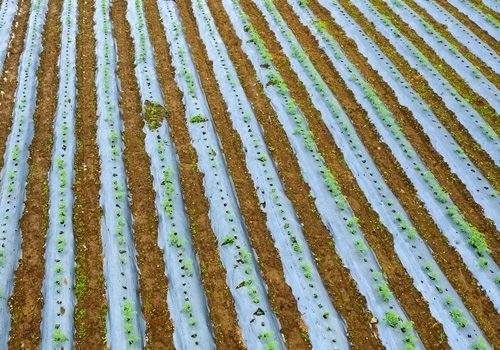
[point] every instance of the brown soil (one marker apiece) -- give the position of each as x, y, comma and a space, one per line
90, 314
478, 102
377, 235
222, 312
91, 307
447, 258
449, 181
337, 279
443, 31
480, 32
26, 301
153, 282
280, 293
8, 78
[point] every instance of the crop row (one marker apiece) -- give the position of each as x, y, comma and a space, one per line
7, 13
299, 266
186, 297
470, 118
59, 299
125, 323
460, 32
349, 241
486, 22
430, 191
479, 187
15, 169
237, 256
411, 249
448, 52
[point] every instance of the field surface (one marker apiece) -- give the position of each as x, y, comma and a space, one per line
250, 174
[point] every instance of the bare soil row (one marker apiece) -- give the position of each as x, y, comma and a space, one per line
27, 302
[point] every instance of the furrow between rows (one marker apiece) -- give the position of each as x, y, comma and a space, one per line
342, 223
412, 250
15, 167
449, 53
488, 23
461, 33
59, 280
125, 323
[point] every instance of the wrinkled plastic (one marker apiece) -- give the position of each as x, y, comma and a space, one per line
478, 185
185, 297
463, 34
15, 171
463, 111
413, 252
7, 13
362, 264
312, 297
416, 170
451, 55
124, 321
59, 280
478, 17
244, 278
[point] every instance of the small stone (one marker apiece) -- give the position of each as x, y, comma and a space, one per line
373, 320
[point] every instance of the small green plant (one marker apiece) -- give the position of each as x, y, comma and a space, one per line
153, 114
391, 319
229, 240
433, 275
361, 246
186, 307
384, 291
406, 326
479, 344
409, 339
376, 275
58, 336
307, 269
482, 262
352, 222
427, 266
197, 118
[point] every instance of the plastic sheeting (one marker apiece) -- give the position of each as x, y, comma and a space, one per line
474, 14
57, 290
186, 299
338, 218
477, 184
15, 170
463, 34
124, 322
7, 13
451, 55
492, 4
312, 297
254, 312
363, 265
420, 176
413, 252
463, 111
